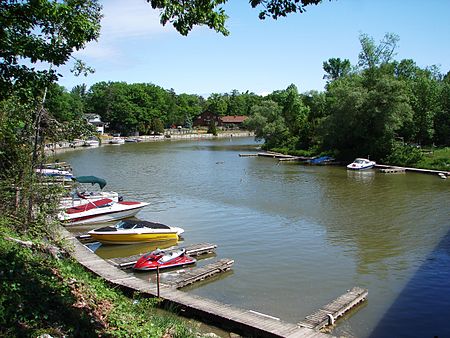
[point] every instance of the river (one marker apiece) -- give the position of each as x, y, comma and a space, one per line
300, 235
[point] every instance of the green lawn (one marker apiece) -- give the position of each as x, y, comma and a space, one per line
436, 158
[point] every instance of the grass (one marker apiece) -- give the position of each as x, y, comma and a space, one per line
436, 159
43, 294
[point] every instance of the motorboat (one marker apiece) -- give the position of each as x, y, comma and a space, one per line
163, 260
117, 140
361, 164
133, 139
135, 231
80, 195
100, 211
55, 173
91, 143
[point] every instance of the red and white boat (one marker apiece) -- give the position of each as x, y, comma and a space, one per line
163, 260
100, 211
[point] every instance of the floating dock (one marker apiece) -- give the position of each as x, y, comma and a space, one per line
191, 250
393, 170
330, 312
198, 274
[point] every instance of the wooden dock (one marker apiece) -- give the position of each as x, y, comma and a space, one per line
415, 170
330, 312
198, 274
244, 322
194, 250
392, 170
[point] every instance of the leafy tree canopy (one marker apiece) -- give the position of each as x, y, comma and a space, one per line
184, 15
42, 31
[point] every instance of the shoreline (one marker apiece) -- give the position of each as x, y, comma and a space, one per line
168, 136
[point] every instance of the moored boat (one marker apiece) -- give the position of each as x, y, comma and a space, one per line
100, 211
361, 164
117, 140
81, 195
55, 173
163, 260
135, 231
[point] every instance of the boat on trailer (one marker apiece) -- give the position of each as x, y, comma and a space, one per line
163, 260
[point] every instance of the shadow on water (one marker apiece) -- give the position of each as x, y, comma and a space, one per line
423, 307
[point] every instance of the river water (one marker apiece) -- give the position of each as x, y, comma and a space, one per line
300, 235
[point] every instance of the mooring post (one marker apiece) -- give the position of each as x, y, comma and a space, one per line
157, 280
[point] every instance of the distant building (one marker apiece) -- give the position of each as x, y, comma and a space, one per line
204, 120
96, 121
232, 121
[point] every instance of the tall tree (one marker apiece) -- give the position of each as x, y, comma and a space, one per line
336, 68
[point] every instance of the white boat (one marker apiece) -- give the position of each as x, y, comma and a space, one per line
135, 231
361, 164
82, 195
100, 211
55, 173
117, 140
91, 143
80, 198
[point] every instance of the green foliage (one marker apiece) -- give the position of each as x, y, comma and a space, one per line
212, 129
336, 68
40, 294
187, 14
403, 155
42, 31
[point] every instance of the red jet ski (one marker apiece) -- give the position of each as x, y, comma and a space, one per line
163, 260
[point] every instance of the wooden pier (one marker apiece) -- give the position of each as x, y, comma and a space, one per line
392, 170
245, 322
198, 274
191, 250
330, 312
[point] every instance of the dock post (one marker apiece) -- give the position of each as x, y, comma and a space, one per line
157, 280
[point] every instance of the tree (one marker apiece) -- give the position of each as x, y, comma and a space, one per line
185, 15
34, 32
42, 31
336, 68
373, 55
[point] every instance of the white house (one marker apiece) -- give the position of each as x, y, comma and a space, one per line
96, 121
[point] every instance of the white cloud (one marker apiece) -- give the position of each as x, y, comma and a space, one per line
130, 19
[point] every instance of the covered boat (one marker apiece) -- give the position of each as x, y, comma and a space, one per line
163, 260
100, 211
135, 231
81, 195
361, 164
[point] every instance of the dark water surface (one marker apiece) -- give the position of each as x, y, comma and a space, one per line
300, 235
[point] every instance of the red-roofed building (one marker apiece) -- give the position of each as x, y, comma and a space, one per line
232, 121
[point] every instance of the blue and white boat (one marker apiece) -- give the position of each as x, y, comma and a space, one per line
361, 164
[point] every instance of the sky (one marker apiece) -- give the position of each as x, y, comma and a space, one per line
258, 56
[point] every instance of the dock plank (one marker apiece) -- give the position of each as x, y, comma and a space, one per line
334, 309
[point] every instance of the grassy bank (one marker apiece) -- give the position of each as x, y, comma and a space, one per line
436, 159
41, 292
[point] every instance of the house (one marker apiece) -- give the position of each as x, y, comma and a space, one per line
96, 121
232, 121
204, 120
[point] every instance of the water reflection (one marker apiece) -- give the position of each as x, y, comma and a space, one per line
113, 251
361, 176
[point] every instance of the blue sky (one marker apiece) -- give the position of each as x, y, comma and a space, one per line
258, 56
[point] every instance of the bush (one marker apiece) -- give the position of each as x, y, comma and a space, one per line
403, 155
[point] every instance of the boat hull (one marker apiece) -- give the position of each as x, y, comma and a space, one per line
133, 238
112, 213
360, 168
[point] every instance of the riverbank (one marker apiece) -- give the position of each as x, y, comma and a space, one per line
169, 135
